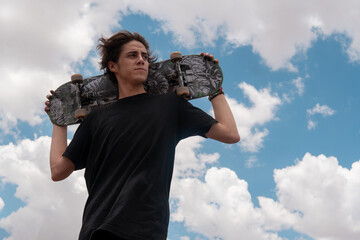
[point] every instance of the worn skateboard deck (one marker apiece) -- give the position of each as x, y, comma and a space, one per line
199, 75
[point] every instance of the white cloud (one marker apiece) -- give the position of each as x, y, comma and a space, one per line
8, 123
318, 109
292, 89
299, 84
323, 196
184, 238
50, 207
276, 30
219, 207
250, 119
2, 203
276, 217
190, 162
311, 124
252, 162
40, 46
316, 197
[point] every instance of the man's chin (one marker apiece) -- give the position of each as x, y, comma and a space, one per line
142, 79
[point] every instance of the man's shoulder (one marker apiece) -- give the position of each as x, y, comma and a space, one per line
98, 112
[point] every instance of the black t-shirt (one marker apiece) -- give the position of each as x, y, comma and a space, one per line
128, 151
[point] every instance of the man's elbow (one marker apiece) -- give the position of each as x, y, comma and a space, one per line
230, 138
234, 138
57, 176
220, 133
61, 169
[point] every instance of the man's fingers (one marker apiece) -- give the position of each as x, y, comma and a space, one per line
49, 95
210, 56
47, 103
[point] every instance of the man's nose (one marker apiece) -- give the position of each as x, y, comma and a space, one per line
141, 59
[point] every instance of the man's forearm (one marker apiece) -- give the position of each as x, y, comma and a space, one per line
226, 131
223, 113
58, 146
58, 141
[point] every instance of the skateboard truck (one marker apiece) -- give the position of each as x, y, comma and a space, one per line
182, 91
77, 79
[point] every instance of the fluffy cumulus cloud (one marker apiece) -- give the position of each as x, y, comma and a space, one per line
41, 44
316, 197
8, 124
250, 119
276, 30
190, 162
220, 205
323, 197
49, 207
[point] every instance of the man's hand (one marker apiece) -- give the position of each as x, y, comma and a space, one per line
209, 56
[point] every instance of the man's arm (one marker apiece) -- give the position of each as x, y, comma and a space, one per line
225, 130
60, 167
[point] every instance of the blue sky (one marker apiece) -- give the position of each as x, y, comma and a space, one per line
291, 76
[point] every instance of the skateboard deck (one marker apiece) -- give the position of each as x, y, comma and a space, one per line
191, 76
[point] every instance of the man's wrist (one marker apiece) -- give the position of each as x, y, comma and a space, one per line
217, 93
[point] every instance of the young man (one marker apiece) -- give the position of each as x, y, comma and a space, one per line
128, 148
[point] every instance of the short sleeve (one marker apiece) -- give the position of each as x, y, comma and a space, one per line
192, 120
80, 145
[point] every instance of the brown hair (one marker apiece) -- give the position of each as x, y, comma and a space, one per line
110, 49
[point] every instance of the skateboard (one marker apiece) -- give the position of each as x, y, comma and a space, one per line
190, 76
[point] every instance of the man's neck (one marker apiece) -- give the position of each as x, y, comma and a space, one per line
128, 91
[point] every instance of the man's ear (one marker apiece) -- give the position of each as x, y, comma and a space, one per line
112, 66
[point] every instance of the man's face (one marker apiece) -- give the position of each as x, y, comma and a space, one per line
132, 66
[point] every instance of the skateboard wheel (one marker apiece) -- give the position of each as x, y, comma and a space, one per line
183, 91
80, 113
76, 78
175, 56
